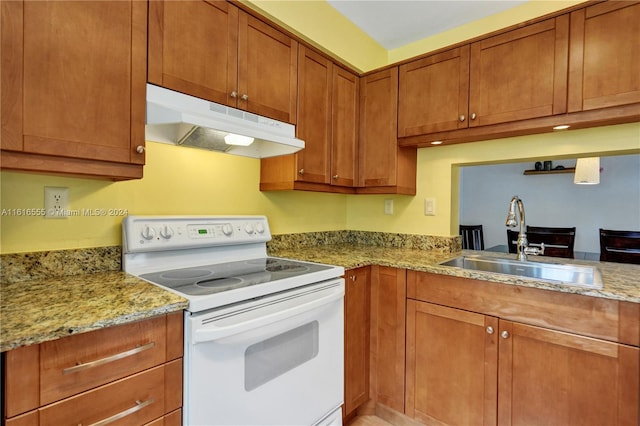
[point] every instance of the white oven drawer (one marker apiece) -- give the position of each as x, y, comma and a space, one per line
277, 361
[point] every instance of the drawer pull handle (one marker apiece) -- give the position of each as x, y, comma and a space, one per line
139, 406
108, 359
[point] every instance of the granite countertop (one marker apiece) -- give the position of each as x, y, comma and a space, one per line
621, 280
39, 310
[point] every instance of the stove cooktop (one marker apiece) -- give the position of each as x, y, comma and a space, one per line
217, 278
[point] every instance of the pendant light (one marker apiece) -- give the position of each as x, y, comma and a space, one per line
587, 171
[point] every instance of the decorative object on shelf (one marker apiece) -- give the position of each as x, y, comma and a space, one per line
538, 165
587, 171
548, 165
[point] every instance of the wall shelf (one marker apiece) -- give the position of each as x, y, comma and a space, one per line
550, 172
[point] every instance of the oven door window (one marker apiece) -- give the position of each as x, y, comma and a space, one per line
270, 358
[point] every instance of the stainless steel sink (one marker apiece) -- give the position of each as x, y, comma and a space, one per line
580, 275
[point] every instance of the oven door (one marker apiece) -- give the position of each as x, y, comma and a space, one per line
273, 361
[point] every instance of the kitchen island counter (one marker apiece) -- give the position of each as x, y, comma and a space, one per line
39, 310
620, 280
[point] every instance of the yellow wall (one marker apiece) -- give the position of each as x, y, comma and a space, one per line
438, 175
177, 180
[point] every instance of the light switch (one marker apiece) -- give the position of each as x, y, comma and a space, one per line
429, 206
388, 206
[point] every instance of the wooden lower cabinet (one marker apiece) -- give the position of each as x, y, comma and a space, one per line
356, 338
451, 365
465, 367
131, 374
388, 301
556, 378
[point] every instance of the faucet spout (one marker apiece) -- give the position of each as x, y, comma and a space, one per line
522, 245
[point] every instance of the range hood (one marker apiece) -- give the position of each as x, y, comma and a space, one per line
180, 119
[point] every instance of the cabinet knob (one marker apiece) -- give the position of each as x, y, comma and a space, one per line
505, 334
233, 94
473, 115
335, 176
490, 330
301, 171
462, 117
140, 149
244, 97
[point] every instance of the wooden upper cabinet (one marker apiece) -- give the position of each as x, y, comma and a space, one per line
193, 48
213, 50
382, 163
267, 70
434, 93
344, 127
604, 67
73, 87
521, 74
551, 377
313, 163
328, 124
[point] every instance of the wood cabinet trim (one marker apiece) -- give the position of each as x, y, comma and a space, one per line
11, 54
573, 313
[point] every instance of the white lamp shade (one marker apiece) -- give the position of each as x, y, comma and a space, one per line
587, 171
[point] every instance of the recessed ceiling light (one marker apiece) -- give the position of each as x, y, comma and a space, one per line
436, 143
562, 127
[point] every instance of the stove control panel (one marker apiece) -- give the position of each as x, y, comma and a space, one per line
157, 233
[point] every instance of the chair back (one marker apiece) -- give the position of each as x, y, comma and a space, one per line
620, 246
558, 242
472, 237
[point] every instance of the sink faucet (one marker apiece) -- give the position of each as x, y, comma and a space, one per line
523, 248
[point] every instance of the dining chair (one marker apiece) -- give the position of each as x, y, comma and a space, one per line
620, 246
472, 237
558, 242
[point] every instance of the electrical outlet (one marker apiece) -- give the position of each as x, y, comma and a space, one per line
388, 206
56, 202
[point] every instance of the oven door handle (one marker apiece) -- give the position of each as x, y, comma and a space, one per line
215, 333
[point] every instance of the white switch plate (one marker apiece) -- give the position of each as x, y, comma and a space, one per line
388, 206
56, 202
429, 206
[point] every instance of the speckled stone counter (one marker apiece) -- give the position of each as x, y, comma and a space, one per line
45, 309
621, 281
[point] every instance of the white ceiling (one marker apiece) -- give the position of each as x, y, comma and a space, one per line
395, 23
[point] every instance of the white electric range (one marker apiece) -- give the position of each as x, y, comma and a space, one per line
263, 335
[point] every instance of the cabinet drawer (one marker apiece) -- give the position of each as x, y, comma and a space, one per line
78, 363
135, 400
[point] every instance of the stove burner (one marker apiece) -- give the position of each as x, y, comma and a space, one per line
289, 268
182, 274
220, 284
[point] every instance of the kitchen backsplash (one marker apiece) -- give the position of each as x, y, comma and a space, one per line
47, 264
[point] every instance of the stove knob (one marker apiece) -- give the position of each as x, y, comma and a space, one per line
260, 228
148, 233
248, 228
166, 232
227, 230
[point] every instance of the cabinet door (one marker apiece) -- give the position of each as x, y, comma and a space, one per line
388, 301
356, 339
378, 128
555, 378
521, 74
267, 70
344, 122
434, 93
73, 80
605, 56
193, 48
314, 112
452, 358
